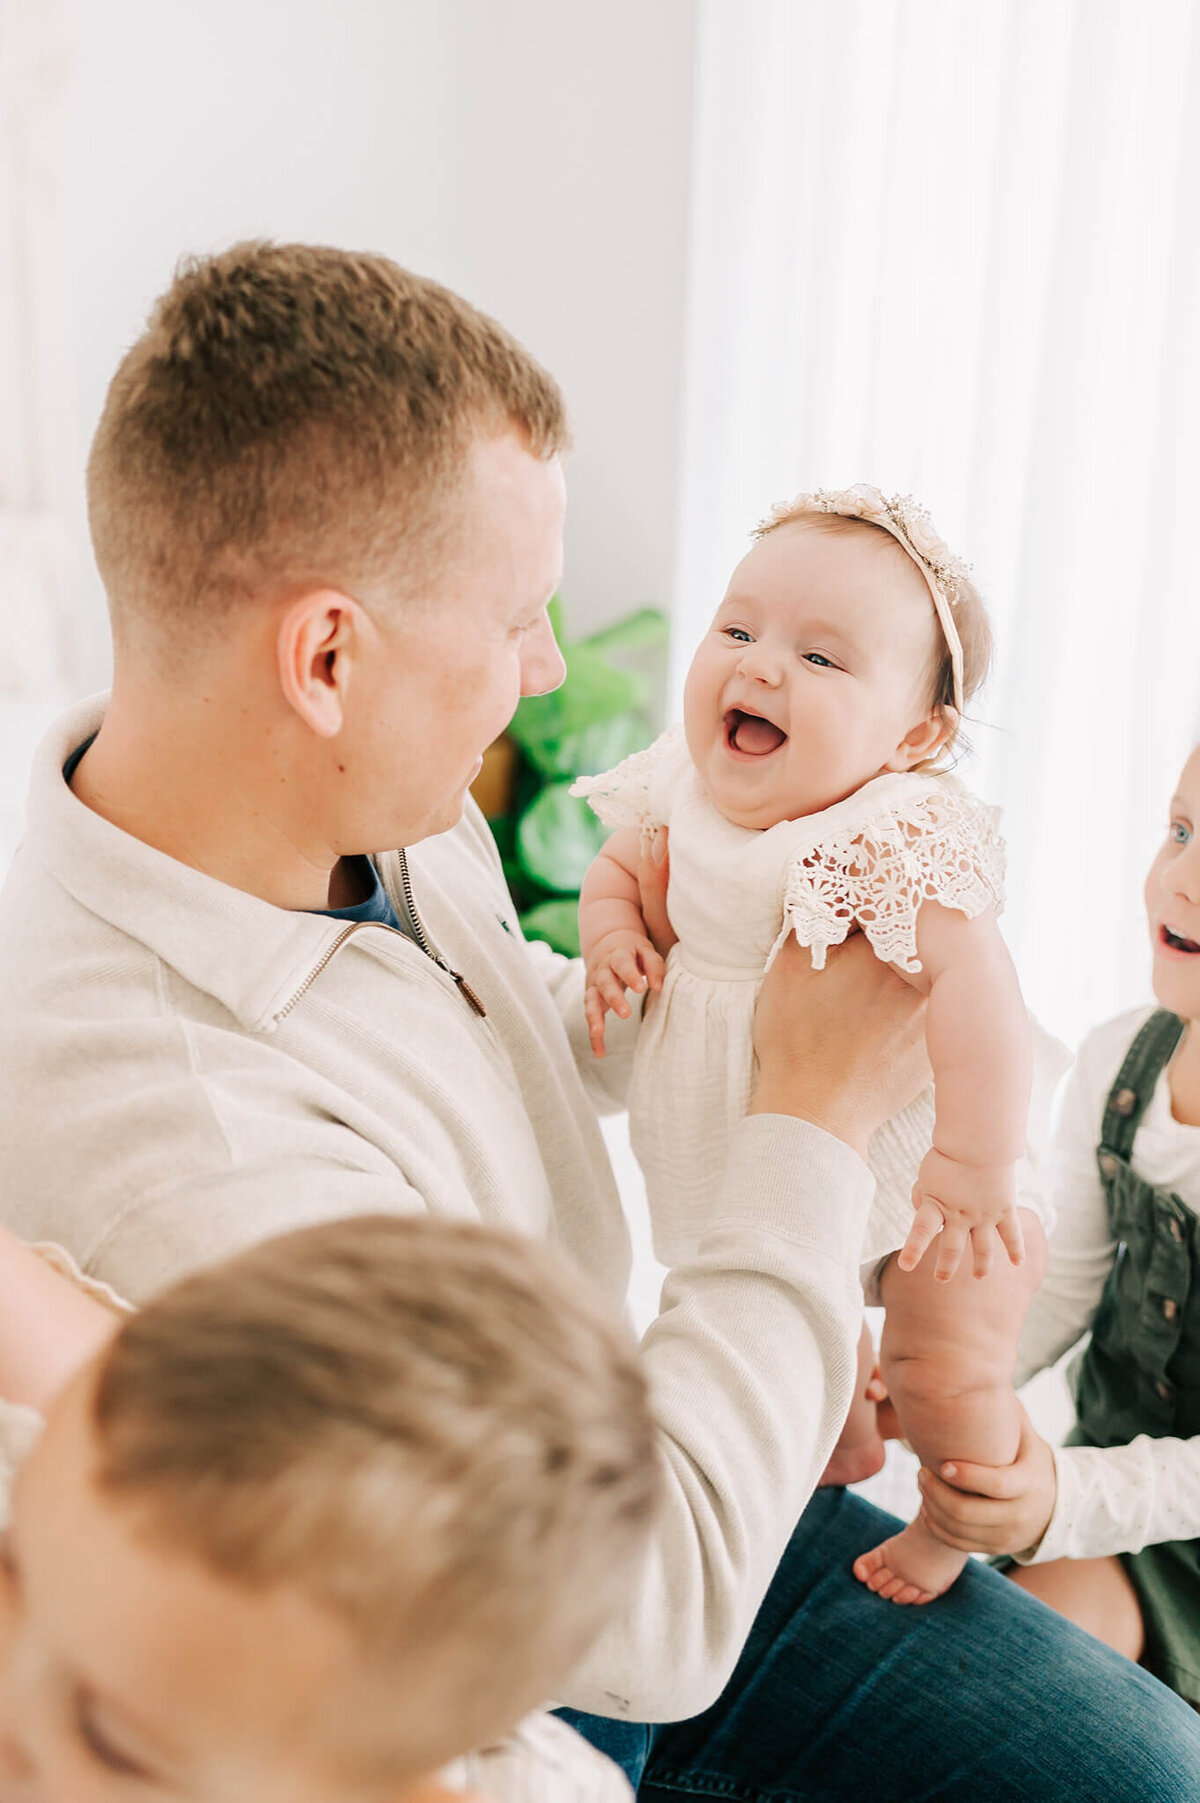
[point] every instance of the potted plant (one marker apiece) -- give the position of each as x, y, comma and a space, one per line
603, 711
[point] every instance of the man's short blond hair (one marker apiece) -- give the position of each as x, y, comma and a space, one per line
296, 415
430, 1429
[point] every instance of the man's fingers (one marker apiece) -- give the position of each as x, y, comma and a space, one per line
653, 875
927, 1224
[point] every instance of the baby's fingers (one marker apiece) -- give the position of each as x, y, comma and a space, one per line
612, 990
951, 1247
593, 1009
927, 1224
1009, 1229
983, 1249
628, 971
653, 966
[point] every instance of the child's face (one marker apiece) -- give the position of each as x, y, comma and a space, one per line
1173, 901
131, 1671
813, 678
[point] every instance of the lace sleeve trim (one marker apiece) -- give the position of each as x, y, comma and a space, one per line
944, 847
623, 795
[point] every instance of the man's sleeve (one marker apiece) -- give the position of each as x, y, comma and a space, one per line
606, 1079
751, 1362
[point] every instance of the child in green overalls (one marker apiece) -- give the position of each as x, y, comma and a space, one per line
1107, 1529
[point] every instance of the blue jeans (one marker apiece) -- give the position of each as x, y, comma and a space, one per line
985, 1696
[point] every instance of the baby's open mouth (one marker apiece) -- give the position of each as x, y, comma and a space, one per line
751, 734
1176, 941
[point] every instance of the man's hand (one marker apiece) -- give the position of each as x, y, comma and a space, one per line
654, 870
994, 1508
842, 1047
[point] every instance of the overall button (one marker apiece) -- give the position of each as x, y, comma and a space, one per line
1164, 1389
1170, 1308
1124, 1102
1176, 1229
1108, 1165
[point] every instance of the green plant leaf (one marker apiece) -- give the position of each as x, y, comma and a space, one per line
593, 691
557, 922
642, 631
557, 837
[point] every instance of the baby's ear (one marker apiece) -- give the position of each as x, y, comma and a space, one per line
924, 740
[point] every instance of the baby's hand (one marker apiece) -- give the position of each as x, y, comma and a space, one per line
620, 961
957, 1201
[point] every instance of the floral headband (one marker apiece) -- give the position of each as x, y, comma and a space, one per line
909, 523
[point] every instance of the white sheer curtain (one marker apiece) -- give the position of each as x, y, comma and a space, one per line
954, 249
38, 447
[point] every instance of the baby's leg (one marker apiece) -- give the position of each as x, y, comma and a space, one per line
947, 1358
860, 1451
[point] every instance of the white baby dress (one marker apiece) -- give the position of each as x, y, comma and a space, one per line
735, 893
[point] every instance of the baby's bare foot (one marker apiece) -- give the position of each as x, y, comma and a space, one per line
912, 1567
854, 1464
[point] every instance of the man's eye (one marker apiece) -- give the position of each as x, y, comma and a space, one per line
818, 657
1178, 833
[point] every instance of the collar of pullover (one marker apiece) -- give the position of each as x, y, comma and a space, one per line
253, 958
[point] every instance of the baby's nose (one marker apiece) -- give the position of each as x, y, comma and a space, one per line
762, 664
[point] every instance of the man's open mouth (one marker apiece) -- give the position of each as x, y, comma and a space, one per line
750, 734
1176, 941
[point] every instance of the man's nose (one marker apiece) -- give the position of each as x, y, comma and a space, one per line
542, 665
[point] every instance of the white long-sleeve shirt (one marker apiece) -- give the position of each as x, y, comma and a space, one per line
187, 1069
1121, 1498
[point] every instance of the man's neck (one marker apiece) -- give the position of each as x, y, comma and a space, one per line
209, 787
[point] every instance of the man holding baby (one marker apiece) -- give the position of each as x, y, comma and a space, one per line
326, 499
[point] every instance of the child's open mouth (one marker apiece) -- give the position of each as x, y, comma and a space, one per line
751, 735
1175, 941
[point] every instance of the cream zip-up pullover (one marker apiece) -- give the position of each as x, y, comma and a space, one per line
186, 1069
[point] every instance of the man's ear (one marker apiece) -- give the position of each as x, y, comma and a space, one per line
314, 648
924, 741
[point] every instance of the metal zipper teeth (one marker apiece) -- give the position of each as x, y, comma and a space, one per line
423, 940
317, 968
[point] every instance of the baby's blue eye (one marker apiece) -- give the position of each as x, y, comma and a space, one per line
822, 662
738, 634
1178, 833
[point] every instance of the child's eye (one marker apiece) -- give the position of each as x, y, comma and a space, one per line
738, 633
1178, 833
818, 657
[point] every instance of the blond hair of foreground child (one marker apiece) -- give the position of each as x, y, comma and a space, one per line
320, 1520
806, 795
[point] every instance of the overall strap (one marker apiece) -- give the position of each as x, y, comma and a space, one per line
1133, 1086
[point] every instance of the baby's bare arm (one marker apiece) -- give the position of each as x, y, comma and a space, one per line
617, 949
977, 1034
609, 900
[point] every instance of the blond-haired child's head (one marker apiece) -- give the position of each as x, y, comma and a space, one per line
350, 1503
296, 415
825, 666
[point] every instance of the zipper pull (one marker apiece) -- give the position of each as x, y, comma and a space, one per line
470, 994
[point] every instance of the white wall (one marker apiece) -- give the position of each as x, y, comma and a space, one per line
533, 155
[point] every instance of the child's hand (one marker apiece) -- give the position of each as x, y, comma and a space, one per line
620, 961
956, 1201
